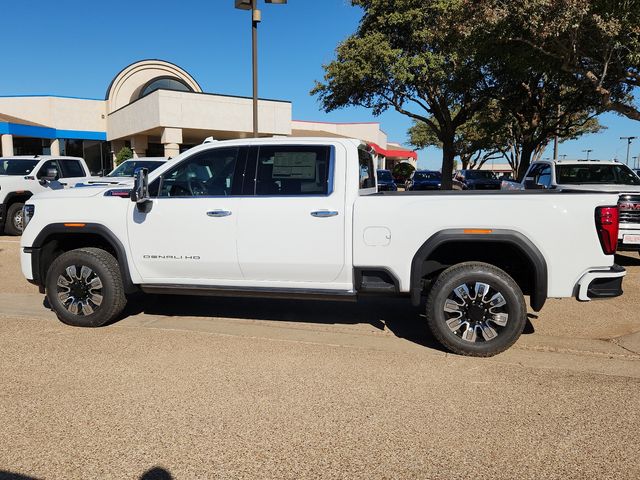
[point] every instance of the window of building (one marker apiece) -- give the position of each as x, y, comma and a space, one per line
209, 173
293, 170
165, 83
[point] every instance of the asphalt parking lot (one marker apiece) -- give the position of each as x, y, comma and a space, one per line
184, 387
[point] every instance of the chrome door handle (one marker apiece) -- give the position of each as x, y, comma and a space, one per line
323, 214
218, 213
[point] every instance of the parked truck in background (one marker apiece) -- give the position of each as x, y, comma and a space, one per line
302, 218
593, 176
23, 176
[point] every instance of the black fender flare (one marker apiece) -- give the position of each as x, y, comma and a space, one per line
88, 229
510, 237
26, 194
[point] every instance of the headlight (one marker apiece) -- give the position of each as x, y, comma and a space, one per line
27, 214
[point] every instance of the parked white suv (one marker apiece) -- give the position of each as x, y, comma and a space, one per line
23, 176
597, 176
302, 218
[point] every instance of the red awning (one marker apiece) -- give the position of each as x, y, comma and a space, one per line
394, 153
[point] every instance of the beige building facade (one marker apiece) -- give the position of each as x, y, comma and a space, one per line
158, 109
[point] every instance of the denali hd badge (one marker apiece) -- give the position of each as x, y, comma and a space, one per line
171, 257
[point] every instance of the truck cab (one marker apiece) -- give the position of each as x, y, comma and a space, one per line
23, 176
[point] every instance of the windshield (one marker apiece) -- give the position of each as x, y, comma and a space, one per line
128, 168
17, 167
427, 176
480, 175
593, 174
385, 175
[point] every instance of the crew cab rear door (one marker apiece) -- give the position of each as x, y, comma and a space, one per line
188, 233
292, 224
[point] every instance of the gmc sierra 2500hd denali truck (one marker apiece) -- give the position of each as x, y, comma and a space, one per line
302, 218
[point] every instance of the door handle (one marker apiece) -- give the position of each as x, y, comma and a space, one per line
323, 214
218, 213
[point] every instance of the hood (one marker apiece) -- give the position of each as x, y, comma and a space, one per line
89, 191
99, 181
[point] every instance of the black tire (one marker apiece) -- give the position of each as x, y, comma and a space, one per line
467, 328
79, 302
13, 223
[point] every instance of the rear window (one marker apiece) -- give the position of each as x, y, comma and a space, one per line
594, 174
427, 176
367, 175
71, 168
479, 175
293, 170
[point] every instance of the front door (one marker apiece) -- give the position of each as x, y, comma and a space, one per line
188, 235
292, 228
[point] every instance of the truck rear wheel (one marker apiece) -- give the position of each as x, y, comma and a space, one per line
84, 287
14, 224
476, 309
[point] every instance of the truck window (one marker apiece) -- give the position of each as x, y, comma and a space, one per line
71, 168
46, 166
367, 172
293, 170
206, 174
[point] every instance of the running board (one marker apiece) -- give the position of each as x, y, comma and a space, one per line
256, 292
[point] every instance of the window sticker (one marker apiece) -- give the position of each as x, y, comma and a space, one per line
294, 165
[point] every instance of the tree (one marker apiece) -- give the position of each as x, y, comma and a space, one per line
475, 141
417, 57
595, 43
125, 153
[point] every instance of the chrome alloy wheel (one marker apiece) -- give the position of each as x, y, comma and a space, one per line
476, 312
17, 220
80, 294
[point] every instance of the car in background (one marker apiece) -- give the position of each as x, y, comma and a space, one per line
591, 176
424, 180
386, 182
476, 180
124, 173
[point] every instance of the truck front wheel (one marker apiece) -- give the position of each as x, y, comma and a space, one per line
14, 224
476, 309
84, 287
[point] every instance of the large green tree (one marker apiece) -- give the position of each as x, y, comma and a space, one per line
417, 57
594, 43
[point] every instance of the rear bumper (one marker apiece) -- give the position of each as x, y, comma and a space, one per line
601, 284
628, 229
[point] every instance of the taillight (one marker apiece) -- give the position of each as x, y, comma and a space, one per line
607, 223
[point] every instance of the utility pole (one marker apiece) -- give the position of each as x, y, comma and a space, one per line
256, 17
629, 141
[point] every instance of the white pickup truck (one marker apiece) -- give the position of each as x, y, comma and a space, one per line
23, 176
302, 218
594, 176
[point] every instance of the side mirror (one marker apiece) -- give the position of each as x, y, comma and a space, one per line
140, 192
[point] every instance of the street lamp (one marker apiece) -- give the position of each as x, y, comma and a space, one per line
588, 151
256, 17
629, 140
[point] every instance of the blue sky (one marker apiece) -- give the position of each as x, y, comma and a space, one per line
74, 48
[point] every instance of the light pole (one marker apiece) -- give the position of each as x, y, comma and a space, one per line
256, 17
629, 140
588, 151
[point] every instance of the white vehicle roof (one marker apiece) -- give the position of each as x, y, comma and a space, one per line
581, 162
40, 157
147, 159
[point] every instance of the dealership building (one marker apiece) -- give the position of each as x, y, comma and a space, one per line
158, 109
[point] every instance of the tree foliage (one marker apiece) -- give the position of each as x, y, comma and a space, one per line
595, 43
414, 56
125, 153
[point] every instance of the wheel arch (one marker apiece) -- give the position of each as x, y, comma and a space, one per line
425, 260
58, 237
